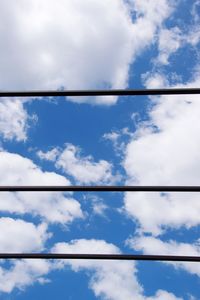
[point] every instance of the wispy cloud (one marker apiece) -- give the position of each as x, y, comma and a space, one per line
84, 169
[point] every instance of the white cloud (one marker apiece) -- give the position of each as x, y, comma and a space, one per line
154, 80
195, 11
160, 295
20, 236
53, 207
165, 151
117, 139
194, 36
155, 11
50, 155
99, 207
106, 276
13, 120
22, 274
151, 245
170, 40
67, 44
82, 168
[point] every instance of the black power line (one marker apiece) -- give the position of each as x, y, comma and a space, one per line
171, 258
119, 92
113, 188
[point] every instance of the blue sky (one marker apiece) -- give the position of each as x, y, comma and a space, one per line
93, 141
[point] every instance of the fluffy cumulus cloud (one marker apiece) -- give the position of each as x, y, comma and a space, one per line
165, 151
106, 276
83, 169
20, 236
69, 44
152, 245
53, 207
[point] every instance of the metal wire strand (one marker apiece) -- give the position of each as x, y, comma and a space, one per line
175, 258
113, 188
118, 92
